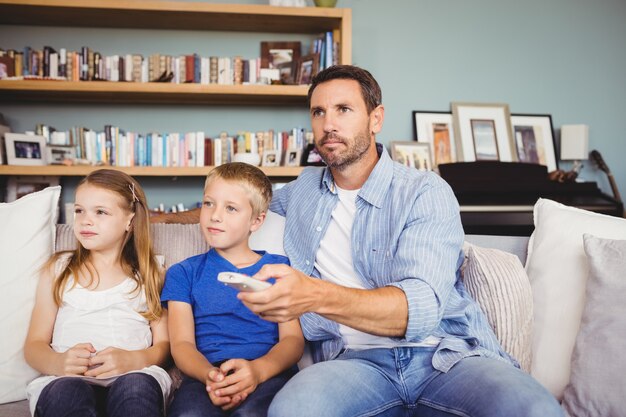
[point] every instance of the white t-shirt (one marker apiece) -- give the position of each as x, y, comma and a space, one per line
108, 318
334, 263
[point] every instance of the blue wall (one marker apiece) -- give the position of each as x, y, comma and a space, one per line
560, 57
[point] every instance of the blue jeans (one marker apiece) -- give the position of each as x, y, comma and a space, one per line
134, 394
192, 400
402, 382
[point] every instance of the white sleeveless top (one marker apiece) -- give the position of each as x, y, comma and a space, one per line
108, 318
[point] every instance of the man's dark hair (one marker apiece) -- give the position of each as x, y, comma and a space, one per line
370, 90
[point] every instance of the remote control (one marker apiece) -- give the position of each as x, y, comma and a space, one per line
242, 282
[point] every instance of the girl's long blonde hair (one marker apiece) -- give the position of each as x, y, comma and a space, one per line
136, 257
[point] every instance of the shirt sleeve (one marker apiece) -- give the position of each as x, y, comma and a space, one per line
280, 199
427, 259
177, 285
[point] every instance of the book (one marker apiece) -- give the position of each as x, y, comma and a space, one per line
7, 67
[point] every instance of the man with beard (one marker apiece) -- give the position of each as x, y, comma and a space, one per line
375, 249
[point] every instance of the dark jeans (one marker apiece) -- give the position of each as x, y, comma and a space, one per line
192, 400
134, 394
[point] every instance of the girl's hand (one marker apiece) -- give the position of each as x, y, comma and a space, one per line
242, 378
75, 360
113, 361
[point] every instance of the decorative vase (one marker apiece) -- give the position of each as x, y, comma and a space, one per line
325, 3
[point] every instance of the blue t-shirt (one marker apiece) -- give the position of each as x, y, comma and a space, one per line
224, 327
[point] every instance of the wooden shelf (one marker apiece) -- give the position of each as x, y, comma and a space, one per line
151, 93
82, 170
141, 14
163, 16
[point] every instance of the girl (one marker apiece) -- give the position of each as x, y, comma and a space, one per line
98, 330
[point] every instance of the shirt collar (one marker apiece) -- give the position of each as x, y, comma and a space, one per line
377, 184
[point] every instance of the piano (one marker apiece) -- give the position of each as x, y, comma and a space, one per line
497, 198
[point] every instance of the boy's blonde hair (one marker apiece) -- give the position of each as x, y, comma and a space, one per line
252, 179
136, 257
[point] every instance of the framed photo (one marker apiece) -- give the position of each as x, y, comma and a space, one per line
311, 157
436, 129
287, 72
308, 66
292, 157
25, 149
19, 186
483, 132
534, 139
412, 154
57, 154
273, 54
271, 158
3, 130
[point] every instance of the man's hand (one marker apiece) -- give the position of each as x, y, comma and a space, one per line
113, 361
75, 360
293, 294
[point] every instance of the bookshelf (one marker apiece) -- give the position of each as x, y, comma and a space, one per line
82, 170
170, 15
165, 15
149, 93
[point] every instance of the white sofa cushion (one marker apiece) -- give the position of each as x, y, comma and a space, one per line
557, 268
26, 243
596, 386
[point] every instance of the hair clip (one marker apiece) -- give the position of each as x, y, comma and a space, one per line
131, 186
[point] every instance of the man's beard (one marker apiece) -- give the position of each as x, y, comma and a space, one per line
355, 152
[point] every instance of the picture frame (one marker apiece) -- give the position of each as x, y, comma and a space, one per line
437, 129
311, 157
271, 158
19, 186
25, 149
412, 154
292, 157
483, 131
308, 66
273, 54
288, 72
534, 139
57, 154
3, 130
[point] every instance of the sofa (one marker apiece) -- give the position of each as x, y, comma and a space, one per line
542, 312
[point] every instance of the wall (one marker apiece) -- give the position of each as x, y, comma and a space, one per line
560, 57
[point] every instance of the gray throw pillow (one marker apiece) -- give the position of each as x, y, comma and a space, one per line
596, 386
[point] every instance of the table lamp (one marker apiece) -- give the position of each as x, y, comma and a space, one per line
575, 144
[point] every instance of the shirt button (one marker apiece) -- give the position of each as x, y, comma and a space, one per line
319, 229
307, 262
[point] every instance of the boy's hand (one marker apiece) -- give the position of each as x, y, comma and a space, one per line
215, 378
75, 360
241, 378
113, 361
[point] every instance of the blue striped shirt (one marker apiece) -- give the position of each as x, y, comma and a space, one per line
407, 233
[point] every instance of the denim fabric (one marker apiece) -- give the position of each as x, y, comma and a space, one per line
192, 400
402, 382
135, 394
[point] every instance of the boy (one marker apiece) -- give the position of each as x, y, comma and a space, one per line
231, 358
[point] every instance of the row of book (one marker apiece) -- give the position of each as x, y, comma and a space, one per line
89, 65
116, 147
